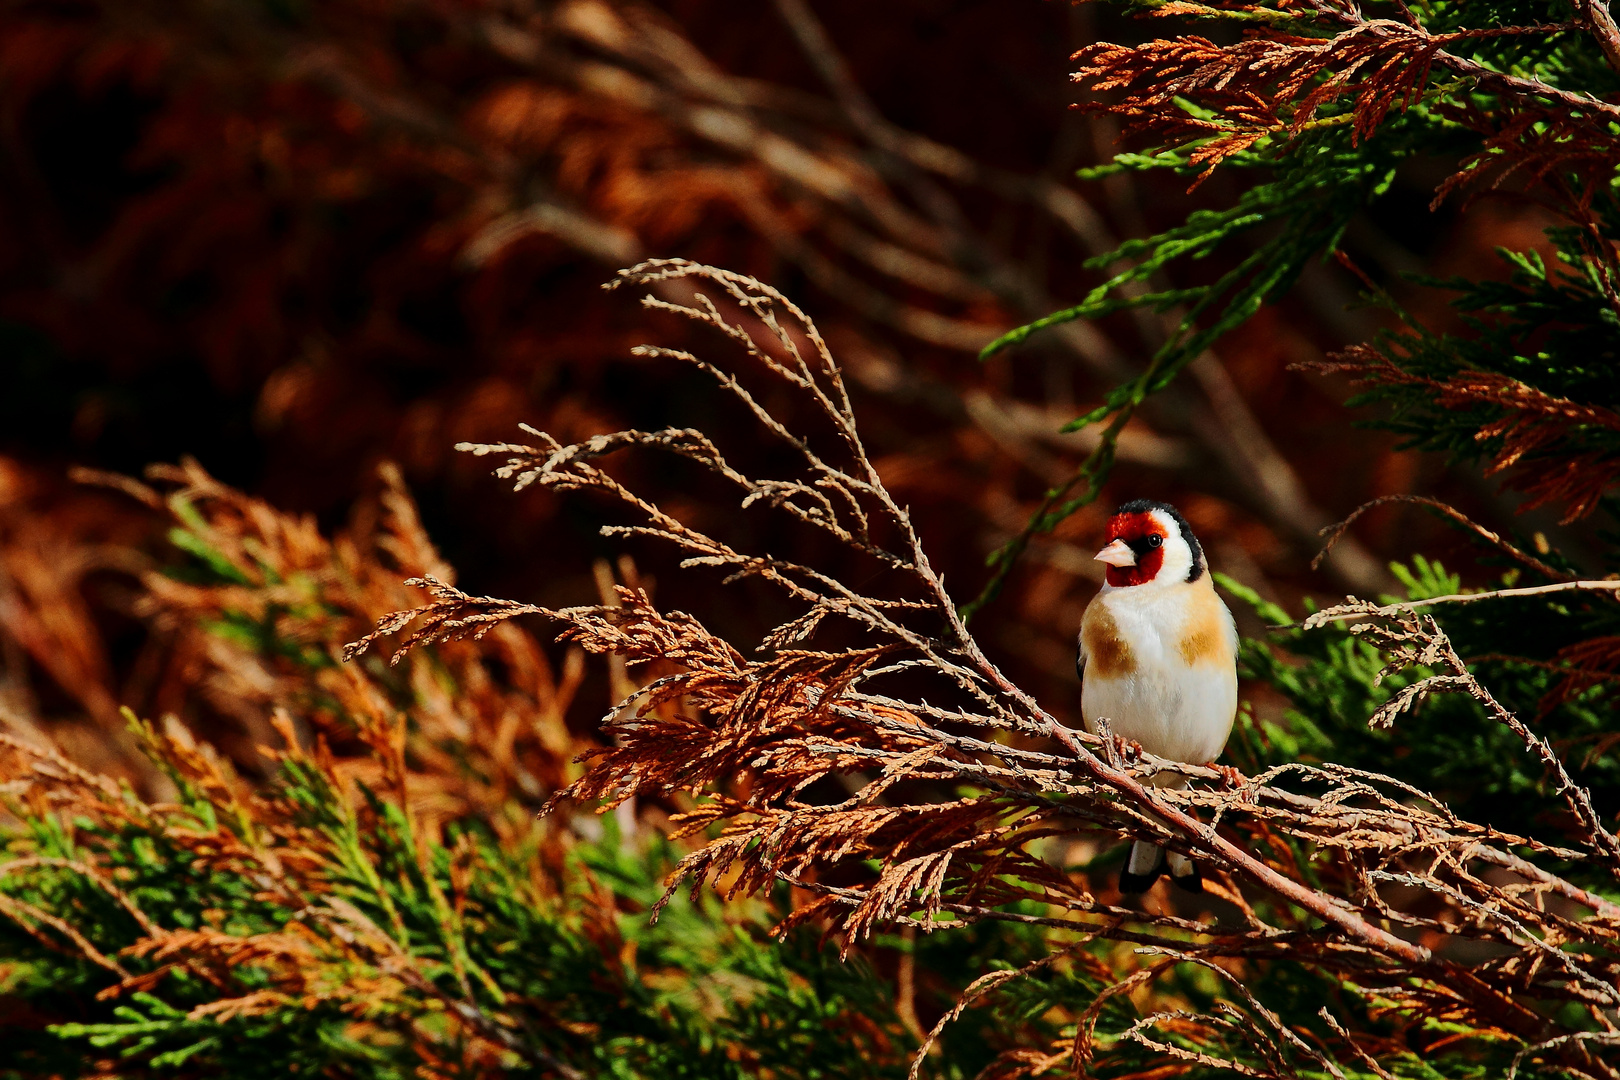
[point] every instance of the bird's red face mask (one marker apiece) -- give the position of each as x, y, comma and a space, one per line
1135, 549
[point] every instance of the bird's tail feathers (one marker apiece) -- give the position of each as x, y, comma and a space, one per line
1142, 868
1184, 873
1147, 861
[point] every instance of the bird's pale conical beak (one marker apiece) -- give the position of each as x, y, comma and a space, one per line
1117, 554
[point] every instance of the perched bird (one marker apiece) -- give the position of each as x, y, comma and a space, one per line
1158, 660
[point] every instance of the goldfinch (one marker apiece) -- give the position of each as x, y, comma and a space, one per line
1158, 660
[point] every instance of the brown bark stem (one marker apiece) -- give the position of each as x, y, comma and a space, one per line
1601, 25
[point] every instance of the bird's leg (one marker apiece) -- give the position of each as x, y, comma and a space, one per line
1110, 742
1235, 780
1119, 750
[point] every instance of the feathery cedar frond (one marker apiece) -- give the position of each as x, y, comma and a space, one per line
1273, 84
1537, 434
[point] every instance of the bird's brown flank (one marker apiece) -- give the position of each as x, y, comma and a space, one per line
1204, 638
1107, 655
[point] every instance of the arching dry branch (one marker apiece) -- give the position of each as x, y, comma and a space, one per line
901, 776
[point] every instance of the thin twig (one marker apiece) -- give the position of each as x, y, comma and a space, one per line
1363, 609
1333, 533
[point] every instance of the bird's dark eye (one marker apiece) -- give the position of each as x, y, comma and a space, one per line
1155, 541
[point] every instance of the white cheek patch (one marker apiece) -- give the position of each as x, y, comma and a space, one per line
1178, 557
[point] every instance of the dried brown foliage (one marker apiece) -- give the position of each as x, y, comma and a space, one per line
1261, 86
1534, 433
901, 776
262, 642
1273, 83
1514, 95
327, 952
471, 732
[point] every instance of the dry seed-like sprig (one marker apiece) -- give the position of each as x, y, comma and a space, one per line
951, 790
1416, 640
1334, 533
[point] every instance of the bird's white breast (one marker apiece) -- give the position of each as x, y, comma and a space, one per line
1160, 664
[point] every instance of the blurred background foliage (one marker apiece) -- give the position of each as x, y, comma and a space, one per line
297, 251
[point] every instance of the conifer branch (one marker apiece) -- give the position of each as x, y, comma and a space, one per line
1362, 609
